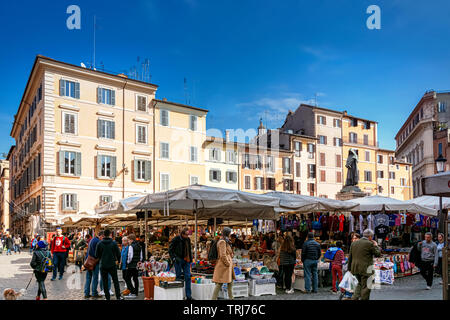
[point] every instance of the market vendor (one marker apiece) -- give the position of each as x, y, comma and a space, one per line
203, 237
237, 243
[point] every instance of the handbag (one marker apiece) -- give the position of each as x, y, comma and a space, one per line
90, 263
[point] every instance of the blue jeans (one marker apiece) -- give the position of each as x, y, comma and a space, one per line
59, 260
91, 276
16, 248
181, 266
310, 268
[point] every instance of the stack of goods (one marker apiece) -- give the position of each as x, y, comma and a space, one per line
200, 280
401, 265
203, 267
164, 277
384, 272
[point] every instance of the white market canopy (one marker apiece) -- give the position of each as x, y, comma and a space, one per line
301, 203
380, 203
437, 185
431, 202
210, 202
119, 207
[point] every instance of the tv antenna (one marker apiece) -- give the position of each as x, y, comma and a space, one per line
95, 27
186, 95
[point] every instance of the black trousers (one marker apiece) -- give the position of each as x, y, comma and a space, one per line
132, 274
113, 272
40, 278
426, 270
287, 274
439, 267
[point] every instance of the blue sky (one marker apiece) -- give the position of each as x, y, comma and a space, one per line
244, 59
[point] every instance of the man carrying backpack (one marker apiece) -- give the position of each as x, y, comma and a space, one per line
59, 246
41, 262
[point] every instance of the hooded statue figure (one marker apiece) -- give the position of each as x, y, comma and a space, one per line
352, 166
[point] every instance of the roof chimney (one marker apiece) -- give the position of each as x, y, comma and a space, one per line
123, 75
164, 99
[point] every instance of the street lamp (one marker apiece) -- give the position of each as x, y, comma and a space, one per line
440, 163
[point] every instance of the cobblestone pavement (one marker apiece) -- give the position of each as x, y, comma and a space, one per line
15, 272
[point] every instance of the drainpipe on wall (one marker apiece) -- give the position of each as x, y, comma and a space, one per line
123, 139
154, 146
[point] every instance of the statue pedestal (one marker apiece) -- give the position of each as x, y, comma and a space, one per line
350, 192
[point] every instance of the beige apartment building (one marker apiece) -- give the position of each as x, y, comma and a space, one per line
326, 126
4, 195
86, 137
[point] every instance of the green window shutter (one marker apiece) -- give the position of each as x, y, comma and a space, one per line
113, 130
99, 165
218, 175
113, 97
210, 175
135, 169
77, 90
148, 170
63, 205
75, 202
99, 128
61, 162
78, 164
99, 95
62, 87
113, 167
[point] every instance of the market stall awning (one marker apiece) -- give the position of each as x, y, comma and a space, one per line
211, 202
380, 203
119, 207
437, 185
431, 202
302, 203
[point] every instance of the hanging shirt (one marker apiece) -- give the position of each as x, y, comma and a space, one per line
341, 223
403, 218
381, 231
392, 218
434, 224
370, 221
419, 220
410, 219
324, 221
351, 223
381, 219
398, 219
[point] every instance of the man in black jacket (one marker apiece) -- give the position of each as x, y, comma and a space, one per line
108, 254
134, 257
310, 257
180, 252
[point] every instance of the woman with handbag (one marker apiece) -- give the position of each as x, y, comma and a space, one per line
223, 271
79, 245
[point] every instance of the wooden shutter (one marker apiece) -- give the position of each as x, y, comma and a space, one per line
211, 154
113, 97
262, 184
77, 90
78, 164
297, 169
99, 128
113, 130
322, 175
75, 201
338, 160
61, 162
148, 170
99, 166
211, 175
72, 123
322, 159
318, 119
325, 121
113, 167
338, 177
99, 95
136, 166
62, 87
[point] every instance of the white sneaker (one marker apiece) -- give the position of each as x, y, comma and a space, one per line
132, 296
101, 293
290, 291
111, 292
428, 288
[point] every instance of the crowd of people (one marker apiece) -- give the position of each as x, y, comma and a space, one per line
101, 256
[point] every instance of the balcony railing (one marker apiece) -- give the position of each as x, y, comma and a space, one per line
361, 141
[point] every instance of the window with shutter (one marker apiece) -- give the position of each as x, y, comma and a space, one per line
141, 102
297, 169
322, 159
164, 117
193, 123
338, 177
69, 123
338, 161
322, 176
164, 181
164, 150
141, 134
193, 154
247, 182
